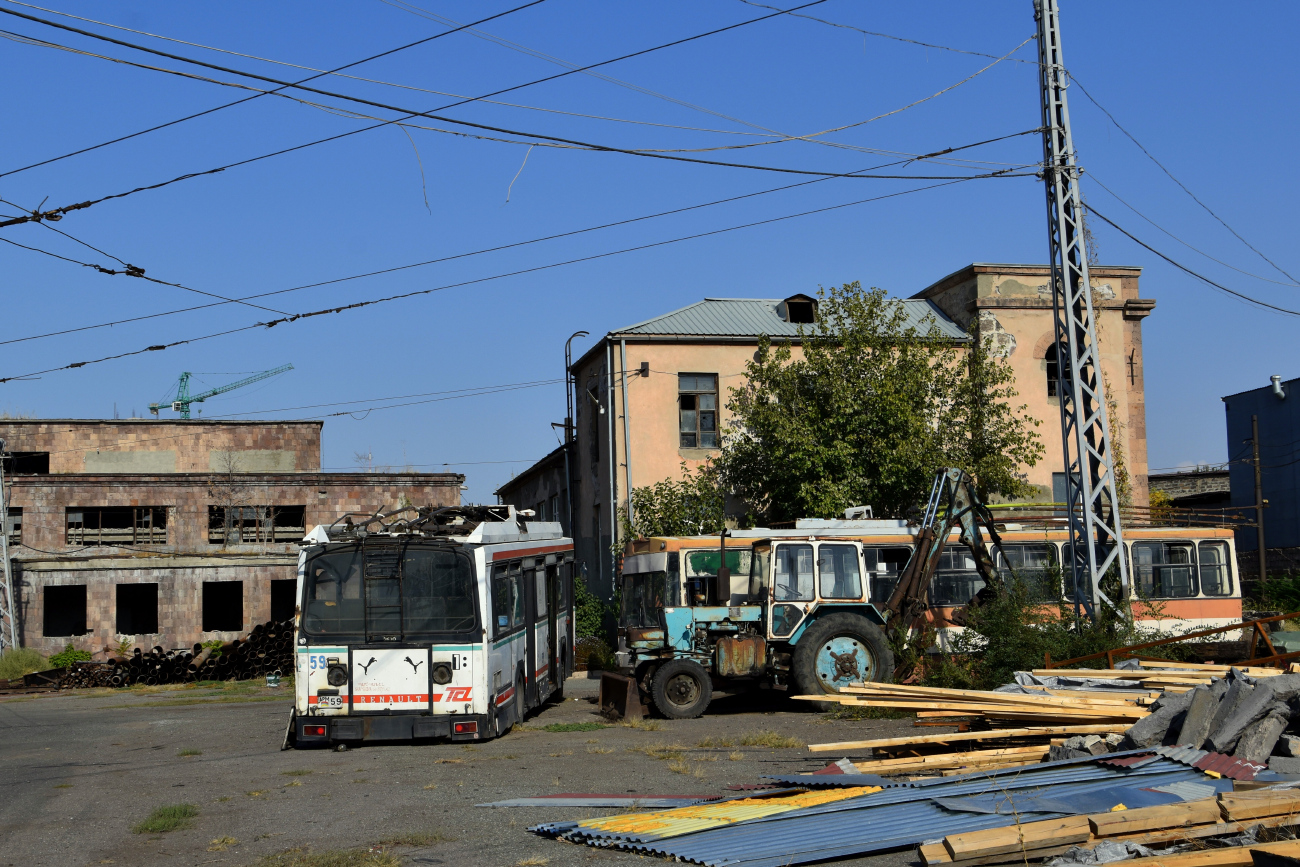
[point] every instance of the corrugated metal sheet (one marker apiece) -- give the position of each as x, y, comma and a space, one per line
887, 819
1232, 768
750, 317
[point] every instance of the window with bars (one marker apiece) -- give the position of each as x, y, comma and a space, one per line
697, 406
117, 525
251, 525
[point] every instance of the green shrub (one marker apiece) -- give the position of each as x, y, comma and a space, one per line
17, 661
69, 655
588, 612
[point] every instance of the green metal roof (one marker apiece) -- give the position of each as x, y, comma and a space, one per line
750, 317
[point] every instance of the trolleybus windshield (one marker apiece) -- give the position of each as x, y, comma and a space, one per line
389, 593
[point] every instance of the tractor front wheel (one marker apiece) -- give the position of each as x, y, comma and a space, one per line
838, 650
681, 689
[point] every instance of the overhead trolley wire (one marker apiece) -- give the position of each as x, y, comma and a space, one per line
1180, 184
495, 249
238, 101
367, 303
1241, 295
407, 114
299, 84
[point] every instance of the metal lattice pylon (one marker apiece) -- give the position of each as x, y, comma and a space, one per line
1096, 543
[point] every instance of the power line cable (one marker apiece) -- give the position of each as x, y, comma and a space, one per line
409, 114
238, 101
1244, 297
367, 303
498, 248
136, 271
1180, 184
1093, 178
882, 35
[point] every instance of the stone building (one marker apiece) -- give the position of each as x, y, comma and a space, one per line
653, 395
173, 532
543, 488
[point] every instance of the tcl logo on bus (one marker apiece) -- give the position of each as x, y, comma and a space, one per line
457, 693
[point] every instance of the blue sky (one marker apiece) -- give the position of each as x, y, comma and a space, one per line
1204, 90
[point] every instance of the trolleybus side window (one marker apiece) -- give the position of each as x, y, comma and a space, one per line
884, 566
334, 604
1165, 570
792, 575
539, 581
837, 569
1033, 565
1216, 574
956, 581
437, 591
505, 597
517, 616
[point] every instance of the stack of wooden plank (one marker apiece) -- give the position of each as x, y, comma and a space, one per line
1160, 675
1044, 707
1228, 813
911, 743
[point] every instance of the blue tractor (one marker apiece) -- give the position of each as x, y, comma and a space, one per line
807, 609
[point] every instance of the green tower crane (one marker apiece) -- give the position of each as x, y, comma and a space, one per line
183, 397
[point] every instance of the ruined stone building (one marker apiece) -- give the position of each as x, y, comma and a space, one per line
653, 395
173, 533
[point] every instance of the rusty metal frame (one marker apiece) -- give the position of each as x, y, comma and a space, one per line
1257, 631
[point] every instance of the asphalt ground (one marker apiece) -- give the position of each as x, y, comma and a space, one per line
79, 770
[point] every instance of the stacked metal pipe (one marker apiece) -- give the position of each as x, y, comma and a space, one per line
265, 650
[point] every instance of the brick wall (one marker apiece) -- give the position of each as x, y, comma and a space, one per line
138, 445
1187, 484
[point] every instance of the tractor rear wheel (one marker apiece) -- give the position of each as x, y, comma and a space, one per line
840, 649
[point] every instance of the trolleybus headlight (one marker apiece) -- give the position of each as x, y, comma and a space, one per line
337, 675
441, 673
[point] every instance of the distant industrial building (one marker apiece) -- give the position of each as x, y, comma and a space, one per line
1204, 488
173, 532
1277, 408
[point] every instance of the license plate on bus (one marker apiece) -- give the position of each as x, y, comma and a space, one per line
335, 701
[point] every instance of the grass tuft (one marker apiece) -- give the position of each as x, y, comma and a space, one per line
189, 751
735, 756
171, 817
645, 725
766, 738
417, 838
662, 752
332, 858
679, 766
599, 751
574, 727
533, 861
708, 743
221, 844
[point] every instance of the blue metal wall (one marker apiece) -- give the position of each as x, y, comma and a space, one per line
1279, 452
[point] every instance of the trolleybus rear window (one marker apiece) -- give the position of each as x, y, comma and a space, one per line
389, 592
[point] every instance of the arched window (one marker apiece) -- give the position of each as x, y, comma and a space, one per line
1053, 371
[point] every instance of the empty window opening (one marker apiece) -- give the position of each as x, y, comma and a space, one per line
1053, 370
253, 525
65, 610
14, 525
800, 311
223, 606
697, 400
137, 609
27, 464
284, 598
117, 525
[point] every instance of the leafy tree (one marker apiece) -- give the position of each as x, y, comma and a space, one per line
692, 506
875, 406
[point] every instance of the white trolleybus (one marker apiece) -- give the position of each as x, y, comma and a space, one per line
448, 623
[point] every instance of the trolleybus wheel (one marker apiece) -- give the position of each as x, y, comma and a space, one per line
681, 689
838, 650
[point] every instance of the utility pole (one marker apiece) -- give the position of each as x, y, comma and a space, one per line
570, 389
8, 605
1096, 543
1259, 497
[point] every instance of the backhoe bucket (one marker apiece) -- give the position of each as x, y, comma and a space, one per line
620, 697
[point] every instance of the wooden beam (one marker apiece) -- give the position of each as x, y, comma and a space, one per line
1034, 731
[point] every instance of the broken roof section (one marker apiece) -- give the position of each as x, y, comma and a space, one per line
751, 317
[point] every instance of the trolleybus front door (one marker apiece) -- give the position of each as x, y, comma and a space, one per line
531, 568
